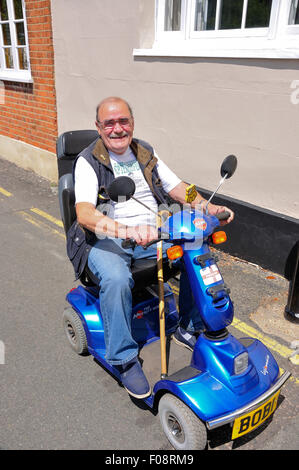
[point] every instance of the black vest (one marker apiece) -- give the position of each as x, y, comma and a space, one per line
98, 157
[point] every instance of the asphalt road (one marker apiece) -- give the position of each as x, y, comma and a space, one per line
50, 398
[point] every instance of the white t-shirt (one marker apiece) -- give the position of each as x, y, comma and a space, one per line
129, 212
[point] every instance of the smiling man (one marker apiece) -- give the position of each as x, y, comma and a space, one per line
117, 153
115, 124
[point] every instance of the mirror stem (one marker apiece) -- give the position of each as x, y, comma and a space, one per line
220, 184
144, 205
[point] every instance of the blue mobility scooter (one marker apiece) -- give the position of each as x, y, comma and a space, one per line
223, 380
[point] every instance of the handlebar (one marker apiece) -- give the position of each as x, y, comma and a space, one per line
131, 243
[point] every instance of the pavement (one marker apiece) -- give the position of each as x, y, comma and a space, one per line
50, 398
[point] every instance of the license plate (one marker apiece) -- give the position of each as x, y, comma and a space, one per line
255, 418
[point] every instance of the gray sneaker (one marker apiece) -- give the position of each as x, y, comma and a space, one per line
184, 338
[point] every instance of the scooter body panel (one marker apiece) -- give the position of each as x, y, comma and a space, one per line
87, 305
145, 319
208, 288
192, 228
216, 392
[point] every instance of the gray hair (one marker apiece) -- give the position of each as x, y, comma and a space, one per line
112, 98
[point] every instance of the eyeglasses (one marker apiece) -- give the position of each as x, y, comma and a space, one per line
111, 123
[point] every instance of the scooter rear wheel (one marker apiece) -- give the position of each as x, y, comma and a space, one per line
75, 332
182, 427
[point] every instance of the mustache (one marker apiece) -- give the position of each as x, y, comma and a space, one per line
115, 135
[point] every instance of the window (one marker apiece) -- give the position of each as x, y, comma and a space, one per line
14, 54
226, 28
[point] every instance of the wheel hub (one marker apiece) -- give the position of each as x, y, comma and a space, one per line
71, 332
175, 427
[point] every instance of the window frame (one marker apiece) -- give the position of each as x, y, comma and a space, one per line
14, 74
279, 40
161, 34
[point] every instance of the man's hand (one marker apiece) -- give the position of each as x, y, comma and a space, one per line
142, 234
213, 210
179, 194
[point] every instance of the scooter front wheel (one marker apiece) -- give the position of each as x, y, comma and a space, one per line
75, 332
182, 427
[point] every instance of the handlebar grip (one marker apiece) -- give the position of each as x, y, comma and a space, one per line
223, 215
129, 243
164, 237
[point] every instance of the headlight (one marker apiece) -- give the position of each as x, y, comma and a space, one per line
241, 363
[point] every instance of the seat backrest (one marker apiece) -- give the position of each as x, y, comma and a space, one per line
68, 146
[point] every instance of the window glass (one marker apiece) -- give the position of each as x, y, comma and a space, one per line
6, 34
173, 15
3, 10
18, 9
258, 13
231, 14
8, 58
20, 34
205, 15
23, 60
294, 12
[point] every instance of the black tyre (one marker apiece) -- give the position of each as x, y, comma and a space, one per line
183, 428
75, 332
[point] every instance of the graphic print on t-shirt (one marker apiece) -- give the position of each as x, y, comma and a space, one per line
130, 212
125, 168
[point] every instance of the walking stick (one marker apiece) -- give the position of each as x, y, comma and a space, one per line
161, 302
161, 309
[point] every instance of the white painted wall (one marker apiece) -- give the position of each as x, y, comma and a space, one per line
194, 111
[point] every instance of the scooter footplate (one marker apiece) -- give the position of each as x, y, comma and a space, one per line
186, 373
178, 357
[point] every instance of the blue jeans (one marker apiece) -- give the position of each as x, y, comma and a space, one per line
111, 264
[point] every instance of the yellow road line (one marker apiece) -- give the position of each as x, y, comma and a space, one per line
29, 218
269, 342
47, 216
6, 193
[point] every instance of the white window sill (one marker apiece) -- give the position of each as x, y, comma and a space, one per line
261, 49
13, 76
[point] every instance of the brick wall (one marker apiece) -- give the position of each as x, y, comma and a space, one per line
29, 110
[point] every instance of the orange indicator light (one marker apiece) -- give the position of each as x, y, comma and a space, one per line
219, 237
175, 252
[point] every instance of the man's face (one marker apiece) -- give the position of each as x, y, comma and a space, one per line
115, 125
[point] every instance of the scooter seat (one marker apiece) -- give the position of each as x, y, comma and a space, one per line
144, 273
